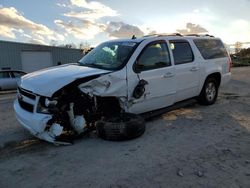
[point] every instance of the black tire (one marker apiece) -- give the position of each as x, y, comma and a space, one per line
209, 92
126, 126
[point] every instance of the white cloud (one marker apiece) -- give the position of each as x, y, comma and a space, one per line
13, 22
93, 5
192, 29
171, 23
80, 30
91, 10
7, 32
237, 30
84, 18
122, 30
36, 41
27, 36
61, 5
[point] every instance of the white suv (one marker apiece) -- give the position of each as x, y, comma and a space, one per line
122, 76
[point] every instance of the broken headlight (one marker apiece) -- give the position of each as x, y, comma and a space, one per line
45, 104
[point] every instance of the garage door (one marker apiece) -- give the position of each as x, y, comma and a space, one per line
33, 60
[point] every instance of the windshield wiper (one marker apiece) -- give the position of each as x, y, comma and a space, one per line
92, 65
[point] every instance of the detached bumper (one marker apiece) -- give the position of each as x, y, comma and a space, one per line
35, 123
225, 78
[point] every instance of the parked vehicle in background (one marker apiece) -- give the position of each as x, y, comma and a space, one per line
9, 79
122, 78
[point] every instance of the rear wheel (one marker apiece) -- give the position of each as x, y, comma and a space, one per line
209, 92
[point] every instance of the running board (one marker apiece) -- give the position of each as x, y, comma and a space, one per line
150, 115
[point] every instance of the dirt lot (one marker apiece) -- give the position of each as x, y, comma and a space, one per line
195, 146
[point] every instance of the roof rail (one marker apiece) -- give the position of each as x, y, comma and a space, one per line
176, 34
162, 35
193, 35
151, 35
207, 35
197, 35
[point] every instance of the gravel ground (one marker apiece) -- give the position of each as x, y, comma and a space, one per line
195, 146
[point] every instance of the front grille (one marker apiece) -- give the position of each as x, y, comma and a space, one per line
26, 93
26, 106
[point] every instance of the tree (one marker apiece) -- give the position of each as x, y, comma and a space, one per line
69, 45
85, 47
238, 47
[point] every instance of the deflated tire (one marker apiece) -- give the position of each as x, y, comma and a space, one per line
123, 127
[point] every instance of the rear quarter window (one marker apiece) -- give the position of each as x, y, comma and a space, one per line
211, 48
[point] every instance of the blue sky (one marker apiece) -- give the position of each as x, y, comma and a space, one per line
78, 21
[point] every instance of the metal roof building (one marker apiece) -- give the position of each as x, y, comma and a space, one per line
32, 57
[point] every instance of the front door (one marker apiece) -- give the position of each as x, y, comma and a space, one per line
153, 65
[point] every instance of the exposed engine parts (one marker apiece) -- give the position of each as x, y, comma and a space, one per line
75, 112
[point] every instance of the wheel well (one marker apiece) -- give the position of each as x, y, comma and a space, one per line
217, 77
109, 105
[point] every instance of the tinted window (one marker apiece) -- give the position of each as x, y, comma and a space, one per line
4, 75
182, 52
211, 49
155, 55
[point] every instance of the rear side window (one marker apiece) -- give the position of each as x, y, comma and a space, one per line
211, 48
182, 52
4, 75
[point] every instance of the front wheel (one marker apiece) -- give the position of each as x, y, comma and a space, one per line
125, 126
209, 92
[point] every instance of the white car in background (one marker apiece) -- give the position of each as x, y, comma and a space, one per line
118, 80
9, 79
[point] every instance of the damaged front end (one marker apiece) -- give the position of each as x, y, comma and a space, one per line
72, 111
69, 111
68, 100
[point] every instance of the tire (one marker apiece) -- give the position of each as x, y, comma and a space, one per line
126, 126
209, 92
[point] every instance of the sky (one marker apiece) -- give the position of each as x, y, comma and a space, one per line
58, 22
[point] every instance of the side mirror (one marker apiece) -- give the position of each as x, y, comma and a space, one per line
137, 67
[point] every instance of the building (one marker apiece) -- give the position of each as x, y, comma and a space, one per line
32, 57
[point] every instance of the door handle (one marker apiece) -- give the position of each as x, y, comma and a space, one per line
194, 69
168, 75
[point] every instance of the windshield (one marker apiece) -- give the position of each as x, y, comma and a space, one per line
109, 55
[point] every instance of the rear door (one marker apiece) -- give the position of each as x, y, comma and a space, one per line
186, 69
154, 66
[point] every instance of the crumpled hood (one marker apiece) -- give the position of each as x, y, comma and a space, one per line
47, 81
